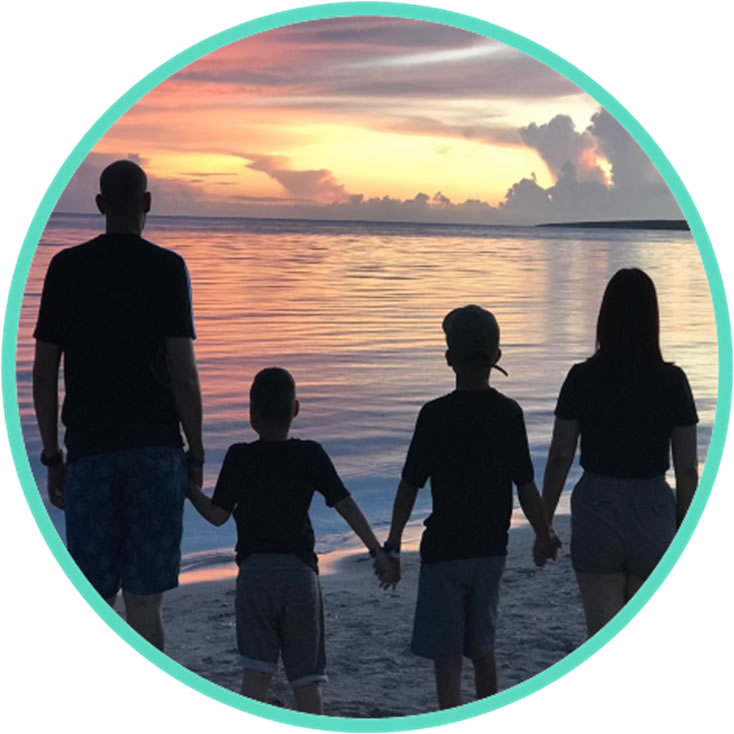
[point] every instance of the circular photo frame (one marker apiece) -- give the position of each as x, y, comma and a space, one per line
416, 13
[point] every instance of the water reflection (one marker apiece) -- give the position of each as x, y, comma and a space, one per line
355, 311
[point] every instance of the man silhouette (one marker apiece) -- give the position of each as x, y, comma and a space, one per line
119, 310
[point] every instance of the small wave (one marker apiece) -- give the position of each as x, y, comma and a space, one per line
206, 559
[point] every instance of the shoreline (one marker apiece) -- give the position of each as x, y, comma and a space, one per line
218, 564
372, 673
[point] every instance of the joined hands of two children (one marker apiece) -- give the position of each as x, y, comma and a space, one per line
387, 568
387, 563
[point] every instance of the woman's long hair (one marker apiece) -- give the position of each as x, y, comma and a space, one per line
628, 328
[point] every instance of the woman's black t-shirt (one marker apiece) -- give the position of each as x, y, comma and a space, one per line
626, 420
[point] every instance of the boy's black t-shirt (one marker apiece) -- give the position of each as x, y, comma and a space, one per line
473, 446
268, 486
109, 304
625, 423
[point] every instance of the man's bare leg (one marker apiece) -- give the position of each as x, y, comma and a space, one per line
256, 684
485, 675
143, 612
308, 698
448, 682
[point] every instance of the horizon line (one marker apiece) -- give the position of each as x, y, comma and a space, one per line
612, 223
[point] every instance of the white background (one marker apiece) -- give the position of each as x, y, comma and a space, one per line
64, 63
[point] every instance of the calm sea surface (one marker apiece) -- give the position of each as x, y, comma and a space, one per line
354, 311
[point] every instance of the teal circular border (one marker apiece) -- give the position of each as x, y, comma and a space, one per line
342, 10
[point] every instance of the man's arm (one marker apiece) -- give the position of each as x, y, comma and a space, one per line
187, 395
46, 394
560, 457
685, 466
46, 404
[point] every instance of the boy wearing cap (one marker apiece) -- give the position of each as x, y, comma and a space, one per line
473, 446
268, 486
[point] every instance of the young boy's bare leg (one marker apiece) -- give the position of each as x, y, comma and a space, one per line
448, 682
485, 675
256, 684
308, 698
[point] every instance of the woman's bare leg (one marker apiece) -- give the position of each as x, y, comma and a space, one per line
603, 595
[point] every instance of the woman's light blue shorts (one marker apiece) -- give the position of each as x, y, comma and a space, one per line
621, 525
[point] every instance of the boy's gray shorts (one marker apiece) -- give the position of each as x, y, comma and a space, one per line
621, 525
279, 611
456, 610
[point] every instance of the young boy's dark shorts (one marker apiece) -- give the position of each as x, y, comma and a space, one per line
456, 609
279, 611
124, 518
621, 525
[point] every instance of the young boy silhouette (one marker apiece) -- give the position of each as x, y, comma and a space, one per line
268, 486
473, 446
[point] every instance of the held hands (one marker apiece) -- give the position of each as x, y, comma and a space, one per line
387, 569
196, 476
195, 465
545, 548
194, 489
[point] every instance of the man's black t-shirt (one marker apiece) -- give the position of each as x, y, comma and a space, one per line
268, 485
110, 304
626, 422
473, 445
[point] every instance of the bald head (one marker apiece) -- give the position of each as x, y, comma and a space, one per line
123, 197
122, 186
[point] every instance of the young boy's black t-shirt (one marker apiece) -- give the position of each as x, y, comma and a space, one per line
473, 446
268, 486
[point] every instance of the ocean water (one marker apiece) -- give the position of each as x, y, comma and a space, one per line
354, 311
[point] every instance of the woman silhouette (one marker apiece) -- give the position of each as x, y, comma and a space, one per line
629, 407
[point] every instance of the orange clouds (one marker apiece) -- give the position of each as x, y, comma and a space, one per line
319, 118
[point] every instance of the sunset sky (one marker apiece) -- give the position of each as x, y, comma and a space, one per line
378, 118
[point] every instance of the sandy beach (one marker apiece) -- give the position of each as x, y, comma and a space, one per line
371, 670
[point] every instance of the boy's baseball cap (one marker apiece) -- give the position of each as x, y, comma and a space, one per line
471, 330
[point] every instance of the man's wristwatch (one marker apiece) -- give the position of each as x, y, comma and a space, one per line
194, 462
52, 460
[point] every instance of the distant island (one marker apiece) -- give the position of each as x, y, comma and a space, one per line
677, 224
